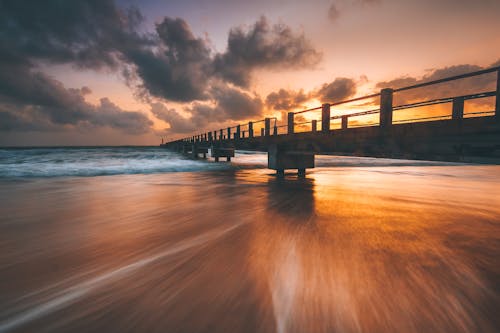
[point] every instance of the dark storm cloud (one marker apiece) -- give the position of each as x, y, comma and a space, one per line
169, 63
333, 12
178, 68
31, 100
236, 104
87, 34
336, 9
287, 100
283, 99
84, 33
230, 105
475, 84
263, 46
339, 89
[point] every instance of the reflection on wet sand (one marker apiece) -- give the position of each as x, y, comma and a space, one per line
401, 249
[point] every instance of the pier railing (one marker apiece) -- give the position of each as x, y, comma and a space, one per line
385, 111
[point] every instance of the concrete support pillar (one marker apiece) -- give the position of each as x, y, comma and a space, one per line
250, 129
325, 118
229, 133
458, 108
238, 132
194, 151
280, 158
497, 103
267, 126
345, 122
386, 108
314, 126
291, 122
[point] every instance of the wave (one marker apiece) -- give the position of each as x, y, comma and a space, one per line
102, 161
87, 162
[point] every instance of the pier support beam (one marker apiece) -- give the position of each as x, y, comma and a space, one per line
218, 152
386, 108
497, 103
458, 108
250, 129
325, 118
291, 122
267, 126
314, 126
345, 122
229, 133
280, 158
238, 132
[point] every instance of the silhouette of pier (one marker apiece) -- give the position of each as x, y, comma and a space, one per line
454, 136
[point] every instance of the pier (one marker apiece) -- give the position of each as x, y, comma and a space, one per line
454, 136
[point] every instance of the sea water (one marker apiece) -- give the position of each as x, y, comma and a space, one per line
140, 239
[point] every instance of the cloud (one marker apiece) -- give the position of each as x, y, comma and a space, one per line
263, 46
84, 33
178, 68
333, 13
284, 100
339, 89
229, 105
236, 104
475, 84
169, 64
31, 100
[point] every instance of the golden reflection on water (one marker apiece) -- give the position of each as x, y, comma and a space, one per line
382, 249
358, 251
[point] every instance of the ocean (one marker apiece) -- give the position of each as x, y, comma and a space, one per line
140, 239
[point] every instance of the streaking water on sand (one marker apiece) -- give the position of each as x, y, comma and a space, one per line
102, 161
372, 248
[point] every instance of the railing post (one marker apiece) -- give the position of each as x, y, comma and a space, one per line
229, 133
291, 122
238, 131
386, 108
497, 103
345, 122
209, 136
314, 125
325, 118
262, 132
267, 125
221, 134
275, 129
457, 108
250, 129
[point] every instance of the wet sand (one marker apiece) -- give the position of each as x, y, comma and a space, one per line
347, 249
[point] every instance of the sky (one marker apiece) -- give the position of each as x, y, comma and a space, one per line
130, 72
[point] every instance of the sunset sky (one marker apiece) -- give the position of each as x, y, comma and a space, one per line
103, 72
